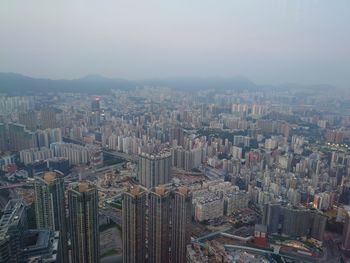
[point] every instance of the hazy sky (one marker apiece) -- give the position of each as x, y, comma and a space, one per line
268, 41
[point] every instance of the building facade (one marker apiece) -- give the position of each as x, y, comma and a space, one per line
154, 170
134, 222
50, 211
83, 223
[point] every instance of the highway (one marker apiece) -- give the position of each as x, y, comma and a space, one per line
121, 155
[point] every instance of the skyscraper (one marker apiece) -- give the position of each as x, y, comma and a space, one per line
158, 225
181, 213
83, 223
95, 112
134, 225
154, 170
50, 210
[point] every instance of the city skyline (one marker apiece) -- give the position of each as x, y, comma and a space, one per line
174, 131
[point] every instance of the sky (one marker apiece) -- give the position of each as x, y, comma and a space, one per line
267, 41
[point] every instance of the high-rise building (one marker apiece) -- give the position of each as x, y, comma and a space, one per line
294, 222
83, 223
181, 215
271, 216
158, 225
3, 138
134, 225
48, 118
95, 117
177, 134
346, 229
29, 119
50, 210
13, 224
154, 170
20, 138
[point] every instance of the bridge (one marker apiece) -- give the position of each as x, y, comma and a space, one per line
120, 155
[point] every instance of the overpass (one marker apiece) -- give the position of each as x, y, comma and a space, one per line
120, 155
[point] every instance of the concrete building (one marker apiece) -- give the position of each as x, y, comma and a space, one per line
83, 223
50, 211
239, 140
41, 245
154, 170
3, 138
134, 225
346, 229
209, 207
78, 154
294, 222
20, 138
13, 224
48, 118
234, 201
29, 119
181, 216
95, 117
158, 225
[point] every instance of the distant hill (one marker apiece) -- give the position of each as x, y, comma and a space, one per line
17, 84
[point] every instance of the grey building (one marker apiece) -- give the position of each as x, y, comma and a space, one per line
158, 225
50, 209
271, 217
134, 225
83, 223
294, 222
41, 245
181, 216
13, 224
346, 229
154, 170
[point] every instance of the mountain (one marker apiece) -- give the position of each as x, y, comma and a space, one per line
16, 84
